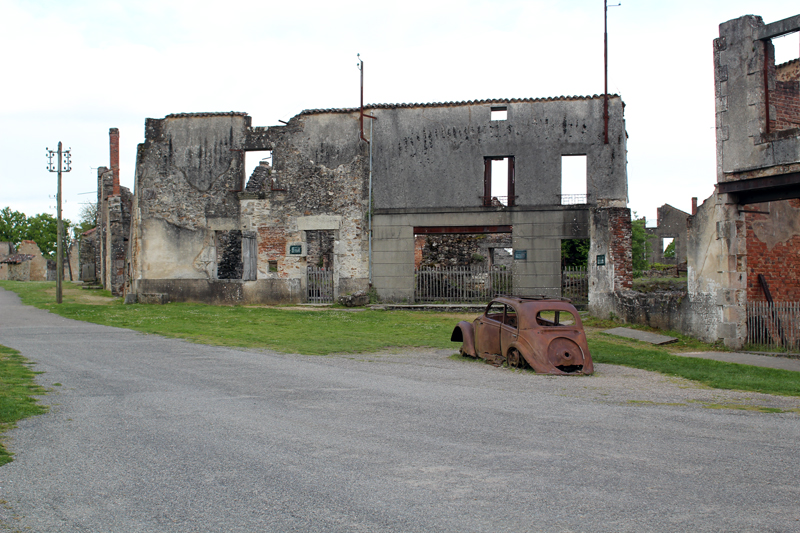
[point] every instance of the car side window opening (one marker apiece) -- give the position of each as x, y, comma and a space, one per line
510, 317
554, 318
495, 311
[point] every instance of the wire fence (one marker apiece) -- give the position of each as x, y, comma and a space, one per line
773, 326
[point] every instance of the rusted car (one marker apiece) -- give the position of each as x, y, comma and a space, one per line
543, 333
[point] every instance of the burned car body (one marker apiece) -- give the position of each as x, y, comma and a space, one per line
543, 333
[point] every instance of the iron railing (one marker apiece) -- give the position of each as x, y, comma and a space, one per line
773, 326
574, 199
319, 284
461, 284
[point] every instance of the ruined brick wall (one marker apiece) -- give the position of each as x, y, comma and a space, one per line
785, 97
773, 249
619, 249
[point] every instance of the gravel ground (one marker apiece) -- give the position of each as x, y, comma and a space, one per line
153, 434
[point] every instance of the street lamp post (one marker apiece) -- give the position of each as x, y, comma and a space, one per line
62, 165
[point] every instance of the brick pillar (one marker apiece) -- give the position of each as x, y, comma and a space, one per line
694, 205
113, 134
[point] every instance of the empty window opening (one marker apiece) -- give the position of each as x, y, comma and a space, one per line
668, 247
787, 47
573, 179
499, 113
498, 181
258, 168
782, 99
273, 266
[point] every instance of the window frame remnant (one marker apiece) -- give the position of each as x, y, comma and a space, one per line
488, 199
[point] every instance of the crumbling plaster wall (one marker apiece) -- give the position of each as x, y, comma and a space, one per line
191, 196
745, 146
187, 177
432, 156
319, 183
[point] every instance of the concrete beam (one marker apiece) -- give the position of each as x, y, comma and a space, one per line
778, 28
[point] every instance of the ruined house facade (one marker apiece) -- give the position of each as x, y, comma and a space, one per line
749, 229
200, 230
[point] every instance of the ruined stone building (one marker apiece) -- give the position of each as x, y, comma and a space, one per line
670, 228
744, 241
25, 263
104, 249
201, 230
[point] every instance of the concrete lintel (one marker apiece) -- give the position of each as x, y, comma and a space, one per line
778, 28
319, 222
221, 223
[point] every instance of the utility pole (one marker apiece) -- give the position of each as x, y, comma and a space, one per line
605, 61
62, 165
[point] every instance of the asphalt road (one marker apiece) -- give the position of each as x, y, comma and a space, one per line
154, 434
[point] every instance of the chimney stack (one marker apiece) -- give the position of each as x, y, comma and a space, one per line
694, 205
113, 134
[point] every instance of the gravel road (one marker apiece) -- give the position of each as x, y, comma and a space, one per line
151, 434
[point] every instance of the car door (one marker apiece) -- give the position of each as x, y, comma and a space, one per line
509, 329
487, 331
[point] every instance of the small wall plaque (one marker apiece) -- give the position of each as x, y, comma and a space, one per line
295, 249
521, 255
601, 260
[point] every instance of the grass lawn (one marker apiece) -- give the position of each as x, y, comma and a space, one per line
340, 330
17, 390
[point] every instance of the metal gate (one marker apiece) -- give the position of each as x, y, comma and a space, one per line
460, 284
575, 285
773, 326
319, 285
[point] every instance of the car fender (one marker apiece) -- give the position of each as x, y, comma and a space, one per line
526, 350
465, 334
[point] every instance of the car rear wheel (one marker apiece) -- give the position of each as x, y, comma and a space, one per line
515, 359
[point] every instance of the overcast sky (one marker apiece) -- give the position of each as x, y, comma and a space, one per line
74, 69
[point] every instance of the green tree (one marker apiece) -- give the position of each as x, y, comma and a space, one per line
669, 251
43, 230
574, 252
641, 247
13, 226
88, 219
